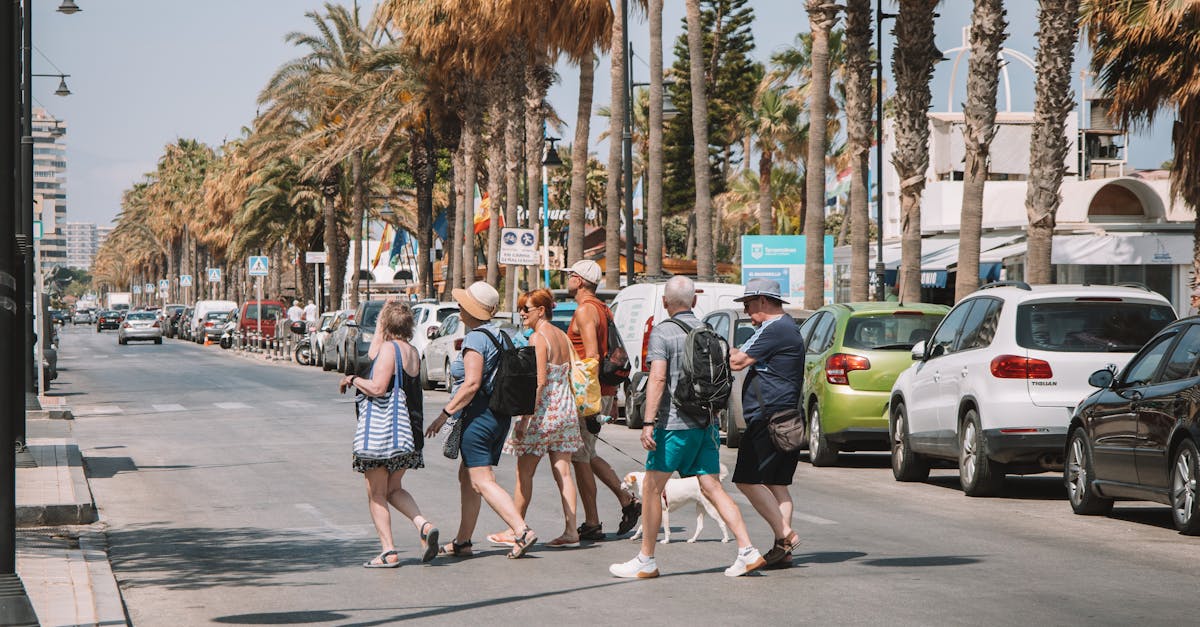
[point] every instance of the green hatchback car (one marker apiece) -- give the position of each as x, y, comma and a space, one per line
855, 351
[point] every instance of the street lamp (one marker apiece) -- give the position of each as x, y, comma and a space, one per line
550, 159
880, 16
62, 83
68, 7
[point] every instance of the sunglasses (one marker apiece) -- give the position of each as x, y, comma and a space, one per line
529, 309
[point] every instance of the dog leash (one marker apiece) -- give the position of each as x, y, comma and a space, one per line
640, 462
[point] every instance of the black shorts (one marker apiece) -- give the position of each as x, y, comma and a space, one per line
759, 462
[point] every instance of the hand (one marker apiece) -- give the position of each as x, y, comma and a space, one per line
519, 428
648, 442
345, 383
436, 425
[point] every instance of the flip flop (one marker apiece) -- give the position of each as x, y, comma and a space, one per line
383, 561
528, 537
430, 541
559, 543
499, 539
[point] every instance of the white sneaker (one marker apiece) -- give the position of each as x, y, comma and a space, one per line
635, 569
745, 563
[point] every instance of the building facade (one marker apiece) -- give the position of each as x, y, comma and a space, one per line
50, 187
81, 244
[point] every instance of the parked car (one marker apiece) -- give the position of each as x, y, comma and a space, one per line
853, 354
428, 315
214, 325
357, 339
59, 316
200, 309
319, 337
171, 314
994, 388
140, 325
108, 319
248, 317
1137, 436
183, 327
443, 347
637, 308
332, 358
82, 316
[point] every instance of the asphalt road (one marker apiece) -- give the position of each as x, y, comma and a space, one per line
226, 487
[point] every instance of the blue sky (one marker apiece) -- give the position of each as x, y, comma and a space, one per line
145, 72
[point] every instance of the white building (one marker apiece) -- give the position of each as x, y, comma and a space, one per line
49, 187
81, 244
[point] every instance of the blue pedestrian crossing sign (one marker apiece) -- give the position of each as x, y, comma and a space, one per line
149, 288
164, 286
214, 275
258, 265
137, 289
185, 280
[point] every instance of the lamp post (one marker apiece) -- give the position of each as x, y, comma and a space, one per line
627, 143
550, 159
880, 16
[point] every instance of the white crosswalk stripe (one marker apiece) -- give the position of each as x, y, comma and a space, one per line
816, 520
98, 410
232, 405
168, 407
295, 404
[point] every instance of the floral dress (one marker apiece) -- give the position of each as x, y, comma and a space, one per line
555, 424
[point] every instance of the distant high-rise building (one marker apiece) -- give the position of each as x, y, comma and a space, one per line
50, 187
81, 244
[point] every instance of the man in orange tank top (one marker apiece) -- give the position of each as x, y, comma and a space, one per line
588, 334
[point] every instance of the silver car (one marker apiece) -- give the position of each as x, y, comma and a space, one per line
140, 325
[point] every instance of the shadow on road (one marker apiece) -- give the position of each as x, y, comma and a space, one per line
921, 561
1156, 516
1047, 487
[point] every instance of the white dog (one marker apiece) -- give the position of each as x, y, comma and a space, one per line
679, 492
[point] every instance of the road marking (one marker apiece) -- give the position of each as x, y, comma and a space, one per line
295, 404
327, 527
168, 407
816, 520
99, 410
232, 405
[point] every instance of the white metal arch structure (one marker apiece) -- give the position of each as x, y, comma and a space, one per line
965, 48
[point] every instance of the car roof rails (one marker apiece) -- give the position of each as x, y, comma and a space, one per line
1134, 284
1017, 284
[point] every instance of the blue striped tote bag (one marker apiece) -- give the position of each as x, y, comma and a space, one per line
384, 430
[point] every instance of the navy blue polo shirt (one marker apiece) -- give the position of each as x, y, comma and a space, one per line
777, 375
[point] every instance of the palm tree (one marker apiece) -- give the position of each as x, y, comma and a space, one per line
579, 159
773, 122
859, 91
1145, 54
654, 167
912, 66
612, 197
1058, 29
705, 262
821, 17
979, 113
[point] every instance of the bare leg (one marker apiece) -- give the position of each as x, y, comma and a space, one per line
523, 493
652, 507
561, 467
470, 506
377, 485
403, 501
784, 496
608, 477
586, 478
765, 504
483, 481
711, 487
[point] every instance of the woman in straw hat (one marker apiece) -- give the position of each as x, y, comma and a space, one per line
483, 432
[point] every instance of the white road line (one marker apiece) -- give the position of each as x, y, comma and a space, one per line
295, 404
168, 407
327, 527
232, 405
99, 410
816, 520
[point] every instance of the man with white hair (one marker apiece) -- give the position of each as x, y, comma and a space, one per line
678, 441
310, 315
295, 313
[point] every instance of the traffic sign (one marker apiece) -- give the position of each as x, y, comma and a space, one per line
185, 280
314, 257
214, 275
37, 230
518, 247
258, 265
164, 286
148, 288
137, 289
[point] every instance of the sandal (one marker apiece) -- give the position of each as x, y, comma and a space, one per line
456, 549
528, 537
562, 542
381, 561
789, 543
502, 539
429, 540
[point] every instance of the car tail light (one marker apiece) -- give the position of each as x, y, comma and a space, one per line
839, 366
156, 324
458, 344
1015, 367
208, 323
646, 342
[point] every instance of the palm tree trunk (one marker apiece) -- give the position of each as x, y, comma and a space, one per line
536, 77
425, 178
612, 192
450, 251
766, 218
514, 117
979, 113
654, 176
912, 67
495, 168
462, 200
358, 192
470, 156
1058, 27
705, 266
579, 160
821, 17
333, 257
858, 130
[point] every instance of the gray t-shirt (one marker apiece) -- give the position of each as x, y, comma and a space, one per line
667, 342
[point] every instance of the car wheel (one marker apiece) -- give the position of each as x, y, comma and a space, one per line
1184, 501
978, 475
1079, 475
820, 451
906, 465
158, 340
325, 364
426, 384
446, 374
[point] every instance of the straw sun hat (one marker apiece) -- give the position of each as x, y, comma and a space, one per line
479, 300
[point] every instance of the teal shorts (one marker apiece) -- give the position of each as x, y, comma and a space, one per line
689, 452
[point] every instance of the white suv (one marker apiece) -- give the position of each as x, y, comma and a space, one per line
995, 386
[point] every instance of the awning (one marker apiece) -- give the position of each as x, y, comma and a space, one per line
936, 263
1136, 249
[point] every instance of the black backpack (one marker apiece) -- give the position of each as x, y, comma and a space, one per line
706, 380
614, 365
514, 385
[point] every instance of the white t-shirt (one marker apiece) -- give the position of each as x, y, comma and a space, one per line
295, 314
310, 313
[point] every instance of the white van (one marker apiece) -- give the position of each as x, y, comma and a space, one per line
637, 308
203, 308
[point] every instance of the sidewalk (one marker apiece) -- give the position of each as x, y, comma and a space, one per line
62, 552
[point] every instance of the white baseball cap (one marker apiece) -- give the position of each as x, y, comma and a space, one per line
587, 270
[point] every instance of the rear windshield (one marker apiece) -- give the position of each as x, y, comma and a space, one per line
218, 315
270, 311
890, 331
442, 314
142, 315
370, 315
1090, 327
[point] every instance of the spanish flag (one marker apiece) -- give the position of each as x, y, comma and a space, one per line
383, 243
483, 207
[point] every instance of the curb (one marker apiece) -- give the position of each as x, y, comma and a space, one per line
56, 492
